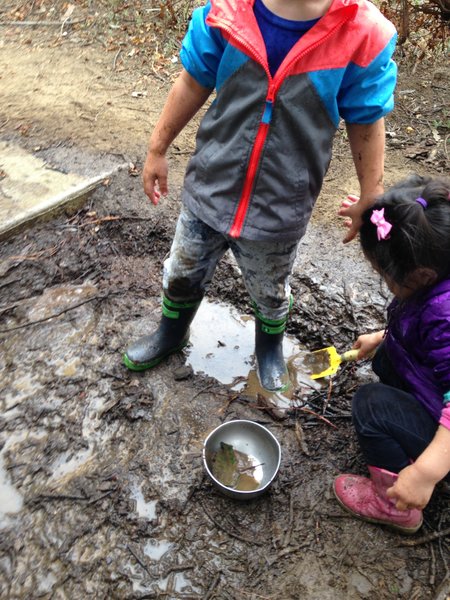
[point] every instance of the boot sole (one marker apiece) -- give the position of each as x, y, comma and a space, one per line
405, 530
133, 366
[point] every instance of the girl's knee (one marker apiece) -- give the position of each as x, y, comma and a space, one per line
364, 404
365, 395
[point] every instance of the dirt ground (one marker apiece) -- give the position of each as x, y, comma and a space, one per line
108, 493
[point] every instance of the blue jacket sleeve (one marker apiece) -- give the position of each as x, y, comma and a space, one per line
367, 93
202, 49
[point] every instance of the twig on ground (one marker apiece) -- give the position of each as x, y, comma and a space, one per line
432, 579
226, 406
299, 434
314, 414
50, 497
252, 594
327, 400
288, 534
230, 533
215, 582
100, 220
116, 57
442, 552
143, 565
46, 253
97, 498
426, 538
204, 390
286, 552
44, 319
175, 568
41, 23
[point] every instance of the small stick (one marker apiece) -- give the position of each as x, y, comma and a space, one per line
432, 578
100, 220
31, 323
426, 538
250, 468
311, 412
215, 582
327, 401
143, 565
46, 253
230, 533
41, 23
301, 438
116, 58
94, 500
57, 497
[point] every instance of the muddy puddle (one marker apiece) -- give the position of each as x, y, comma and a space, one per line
102, 486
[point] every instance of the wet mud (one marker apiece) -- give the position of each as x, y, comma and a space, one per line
104, 493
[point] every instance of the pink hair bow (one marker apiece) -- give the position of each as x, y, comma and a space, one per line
383, 226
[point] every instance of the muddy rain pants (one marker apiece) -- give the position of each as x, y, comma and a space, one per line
196, 250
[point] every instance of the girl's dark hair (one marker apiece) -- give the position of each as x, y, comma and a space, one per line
420, 237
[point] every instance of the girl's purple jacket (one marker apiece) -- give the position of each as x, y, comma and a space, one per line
418, 344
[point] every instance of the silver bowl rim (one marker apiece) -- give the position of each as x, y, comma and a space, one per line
242, 493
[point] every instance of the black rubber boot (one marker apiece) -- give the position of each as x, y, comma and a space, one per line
171, 335
272, 372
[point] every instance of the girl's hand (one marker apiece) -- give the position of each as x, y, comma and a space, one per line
352, 212
368, 343
411, 490
415, 483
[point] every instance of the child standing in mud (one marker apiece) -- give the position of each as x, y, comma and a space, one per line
285, 72
403, 422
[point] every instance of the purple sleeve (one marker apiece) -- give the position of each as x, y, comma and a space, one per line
436, 342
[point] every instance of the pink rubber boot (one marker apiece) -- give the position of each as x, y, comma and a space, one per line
366, 499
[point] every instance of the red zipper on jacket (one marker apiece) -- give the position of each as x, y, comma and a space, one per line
263, 130
244, 201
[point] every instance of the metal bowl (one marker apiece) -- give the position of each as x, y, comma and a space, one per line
251, 439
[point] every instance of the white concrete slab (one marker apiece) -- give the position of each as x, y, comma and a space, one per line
30, 188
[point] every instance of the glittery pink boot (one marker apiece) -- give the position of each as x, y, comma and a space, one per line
366, 499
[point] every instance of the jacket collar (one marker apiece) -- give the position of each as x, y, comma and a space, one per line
237, 20
230, 9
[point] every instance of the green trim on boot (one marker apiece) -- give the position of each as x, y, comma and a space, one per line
149, 365
172, 309
272, 371
273, 322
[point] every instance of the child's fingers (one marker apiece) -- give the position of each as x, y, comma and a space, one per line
351, 234
349, 201
399, 504
162, 184
156, 196
390, 492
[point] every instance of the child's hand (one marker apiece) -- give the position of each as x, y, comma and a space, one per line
154, 176
368, 343
411, 490
415, 483
352, 212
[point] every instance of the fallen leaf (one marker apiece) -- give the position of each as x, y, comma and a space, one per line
225, 465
